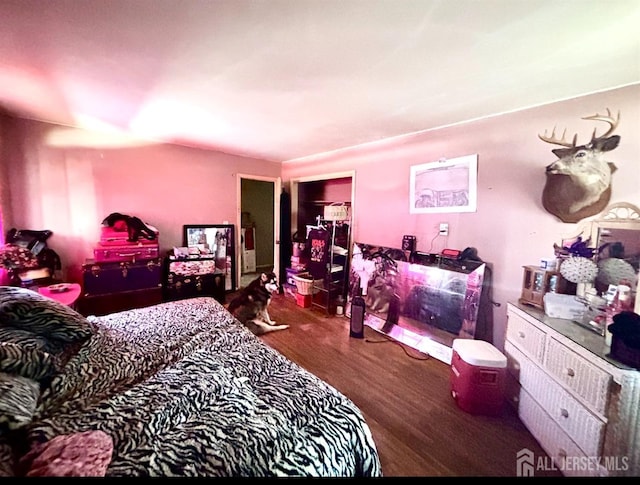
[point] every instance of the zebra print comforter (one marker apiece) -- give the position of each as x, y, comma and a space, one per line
185, 390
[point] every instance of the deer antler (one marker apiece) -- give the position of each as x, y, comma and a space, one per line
608, 119
554, 141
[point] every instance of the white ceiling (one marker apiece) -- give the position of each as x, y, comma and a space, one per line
287, 79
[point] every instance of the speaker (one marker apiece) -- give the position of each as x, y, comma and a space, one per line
357, 318
408, 243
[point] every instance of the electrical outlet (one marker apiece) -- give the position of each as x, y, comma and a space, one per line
444, 229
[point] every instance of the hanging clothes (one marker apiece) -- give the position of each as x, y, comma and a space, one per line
249, 238
319, 247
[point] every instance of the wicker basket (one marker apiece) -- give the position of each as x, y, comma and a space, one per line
306, 285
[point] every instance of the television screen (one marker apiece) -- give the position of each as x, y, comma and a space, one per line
424, 300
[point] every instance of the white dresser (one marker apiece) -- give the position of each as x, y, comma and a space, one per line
581, 405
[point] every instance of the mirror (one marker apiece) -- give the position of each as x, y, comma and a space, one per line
213, 242
617, 236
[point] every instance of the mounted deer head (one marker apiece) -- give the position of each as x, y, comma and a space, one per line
578, 184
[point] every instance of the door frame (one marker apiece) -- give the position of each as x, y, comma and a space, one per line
277, 189
327, 176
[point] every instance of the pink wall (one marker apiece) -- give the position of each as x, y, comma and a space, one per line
510, 227
69, 190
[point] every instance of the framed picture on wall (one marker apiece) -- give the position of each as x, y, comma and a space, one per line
444, 186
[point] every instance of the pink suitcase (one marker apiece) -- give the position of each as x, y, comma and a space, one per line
129, 252
110, 237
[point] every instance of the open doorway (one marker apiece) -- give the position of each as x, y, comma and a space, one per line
258, 222
310, 194
321, 226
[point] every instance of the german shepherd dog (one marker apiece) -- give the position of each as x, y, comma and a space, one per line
250, 305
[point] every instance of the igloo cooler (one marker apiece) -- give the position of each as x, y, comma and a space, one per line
478, 373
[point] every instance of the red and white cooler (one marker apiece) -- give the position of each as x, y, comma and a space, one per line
478, 376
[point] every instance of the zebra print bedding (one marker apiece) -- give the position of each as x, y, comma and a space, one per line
26, 361
184, 389
19, 401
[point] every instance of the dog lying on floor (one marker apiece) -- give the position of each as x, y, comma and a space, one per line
250, 305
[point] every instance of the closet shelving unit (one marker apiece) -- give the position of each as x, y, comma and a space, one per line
336, 275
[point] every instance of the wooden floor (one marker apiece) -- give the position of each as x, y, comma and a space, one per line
404, 396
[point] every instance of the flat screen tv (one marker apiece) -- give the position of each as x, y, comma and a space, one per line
423, 300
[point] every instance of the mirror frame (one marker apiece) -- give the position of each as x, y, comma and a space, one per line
230, 230
621, 215
617, 216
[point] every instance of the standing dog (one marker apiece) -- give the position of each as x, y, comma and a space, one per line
250, 306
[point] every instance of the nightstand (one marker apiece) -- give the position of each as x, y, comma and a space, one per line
68, 297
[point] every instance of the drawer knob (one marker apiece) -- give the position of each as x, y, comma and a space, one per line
564, 413
521, 334
569, 372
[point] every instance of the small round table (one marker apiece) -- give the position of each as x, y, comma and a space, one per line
68, 297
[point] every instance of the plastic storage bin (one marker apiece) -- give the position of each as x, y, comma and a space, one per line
303, 300
291, 272
478, 374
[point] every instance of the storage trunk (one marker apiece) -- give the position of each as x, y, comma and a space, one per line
117, 302
110, 237
102, 278
179, 286
125, 253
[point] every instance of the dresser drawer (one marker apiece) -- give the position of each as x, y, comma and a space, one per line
595, 413
577, 374
582, 426
563, 451
526, 336
178, 287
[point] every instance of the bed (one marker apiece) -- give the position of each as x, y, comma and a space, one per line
175, 389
